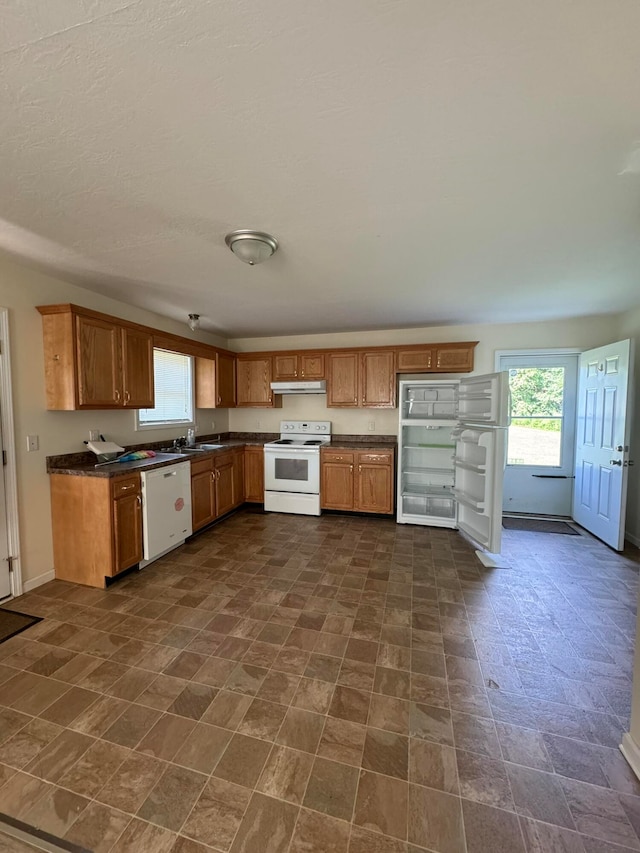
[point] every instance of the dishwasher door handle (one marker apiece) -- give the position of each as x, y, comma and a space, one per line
171, 474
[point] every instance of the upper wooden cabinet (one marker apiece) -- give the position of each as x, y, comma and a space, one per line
362, 379
216, 382
436, 358
253, 383
94, 362
304, 365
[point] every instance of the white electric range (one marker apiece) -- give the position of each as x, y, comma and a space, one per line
292, 467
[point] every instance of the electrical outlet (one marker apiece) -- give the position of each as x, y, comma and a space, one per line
94, 435
372, 426
213, 424
258, 424
33, 443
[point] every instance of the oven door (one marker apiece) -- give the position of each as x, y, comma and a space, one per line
292, 470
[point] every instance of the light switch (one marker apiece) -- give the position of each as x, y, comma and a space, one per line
33, 443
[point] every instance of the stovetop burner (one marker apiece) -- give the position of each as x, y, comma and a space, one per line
283, 441
315, 441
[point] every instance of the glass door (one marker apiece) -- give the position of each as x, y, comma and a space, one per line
541, 438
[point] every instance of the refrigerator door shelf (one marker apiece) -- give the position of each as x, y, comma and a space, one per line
485, 399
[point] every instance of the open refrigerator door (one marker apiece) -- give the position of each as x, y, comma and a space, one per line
479, 460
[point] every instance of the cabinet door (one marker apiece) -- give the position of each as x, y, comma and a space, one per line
223, 473
238, 478
378, 380
336, 485
226, 381
127, 532
99, 370
455, 359
374, 490
342, 379
414, 360
311, 366
285, 367
202, 498
254, 382
254, 474
137, 369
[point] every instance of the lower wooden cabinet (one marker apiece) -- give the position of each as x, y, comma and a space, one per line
217, 486
97, 526
357, 480
254, 474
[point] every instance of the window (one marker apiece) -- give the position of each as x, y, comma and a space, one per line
173, 381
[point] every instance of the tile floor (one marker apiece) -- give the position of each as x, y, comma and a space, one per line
335, 685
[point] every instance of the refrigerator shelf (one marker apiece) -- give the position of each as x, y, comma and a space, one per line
428, 446
468, 500
426, 470
469, 466
415, 491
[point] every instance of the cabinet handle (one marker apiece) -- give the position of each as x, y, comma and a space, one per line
139, 499
126, 488
117, 395
213, 476
219, 399
351, 468
359, 467
302, 373
295, 372
363, 399
127, 396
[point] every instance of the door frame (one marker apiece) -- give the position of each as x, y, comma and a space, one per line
9, 446
545, 352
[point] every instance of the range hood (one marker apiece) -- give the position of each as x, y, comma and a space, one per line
310, 386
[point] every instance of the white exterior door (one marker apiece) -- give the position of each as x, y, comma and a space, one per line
602, 442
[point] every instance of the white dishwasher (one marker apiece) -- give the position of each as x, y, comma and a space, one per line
166, 509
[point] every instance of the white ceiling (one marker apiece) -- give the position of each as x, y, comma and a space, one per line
421, 162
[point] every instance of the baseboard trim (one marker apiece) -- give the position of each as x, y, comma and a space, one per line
45, 577
631, 751
635, 540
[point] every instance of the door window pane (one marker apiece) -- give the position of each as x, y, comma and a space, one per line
537, 399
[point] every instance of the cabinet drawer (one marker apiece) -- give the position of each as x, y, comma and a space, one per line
199, 466
125, 485
337, 456
381, 458
221, 459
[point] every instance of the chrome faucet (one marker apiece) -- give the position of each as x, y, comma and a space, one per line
181, 441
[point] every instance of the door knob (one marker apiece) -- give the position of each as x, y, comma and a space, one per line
615, 462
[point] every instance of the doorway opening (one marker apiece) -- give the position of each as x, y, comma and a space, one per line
539, 471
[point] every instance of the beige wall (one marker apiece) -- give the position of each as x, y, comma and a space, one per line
21, 289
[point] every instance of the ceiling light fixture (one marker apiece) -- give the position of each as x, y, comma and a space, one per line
252, 247
194, 322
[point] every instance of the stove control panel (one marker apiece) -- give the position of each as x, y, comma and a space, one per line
306, 427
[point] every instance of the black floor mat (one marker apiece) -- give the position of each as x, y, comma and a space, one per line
12, 622
539, 525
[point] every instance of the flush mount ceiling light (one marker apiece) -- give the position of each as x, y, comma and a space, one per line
252, 247
194, 322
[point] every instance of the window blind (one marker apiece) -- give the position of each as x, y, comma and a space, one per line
172, 374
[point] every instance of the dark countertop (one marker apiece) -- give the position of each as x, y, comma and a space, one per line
83, 464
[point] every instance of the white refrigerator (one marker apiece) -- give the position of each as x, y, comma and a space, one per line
452, 439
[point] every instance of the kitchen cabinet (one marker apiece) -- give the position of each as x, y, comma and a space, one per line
216, 382
357, 480
93, 361
254, 474
436, 358
97, 526
253, 383
217, 486
305, 365
361, 378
